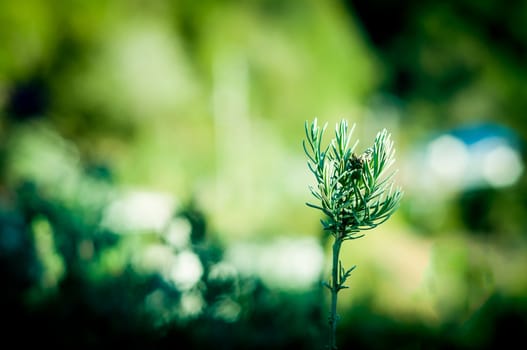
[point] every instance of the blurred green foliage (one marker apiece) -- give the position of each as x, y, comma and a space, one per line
143, 142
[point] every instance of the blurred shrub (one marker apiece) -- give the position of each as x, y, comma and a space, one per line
70, 282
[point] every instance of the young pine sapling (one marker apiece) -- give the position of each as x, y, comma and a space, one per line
355, 193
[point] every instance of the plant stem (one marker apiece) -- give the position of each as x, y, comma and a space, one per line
335, 286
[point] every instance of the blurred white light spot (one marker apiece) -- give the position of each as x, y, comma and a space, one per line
186, 270
139, 211
178, 233
191, 304
293, 264
222, 271
448, 157
502, 166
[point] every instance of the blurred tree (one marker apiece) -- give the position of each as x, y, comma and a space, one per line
451, 61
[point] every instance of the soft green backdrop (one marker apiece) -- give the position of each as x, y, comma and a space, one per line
149, 149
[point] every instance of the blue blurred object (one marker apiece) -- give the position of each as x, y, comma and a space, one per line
485, 155
471, 134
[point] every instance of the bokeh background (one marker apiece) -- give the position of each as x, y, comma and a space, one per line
153, 182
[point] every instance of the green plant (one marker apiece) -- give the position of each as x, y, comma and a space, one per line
355, 193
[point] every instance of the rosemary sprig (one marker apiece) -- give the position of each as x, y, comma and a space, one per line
355, 193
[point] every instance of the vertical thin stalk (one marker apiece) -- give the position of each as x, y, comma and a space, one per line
335, 286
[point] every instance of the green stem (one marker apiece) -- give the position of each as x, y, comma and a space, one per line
335, 286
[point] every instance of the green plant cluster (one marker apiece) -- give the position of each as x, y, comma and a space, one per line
355, 192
